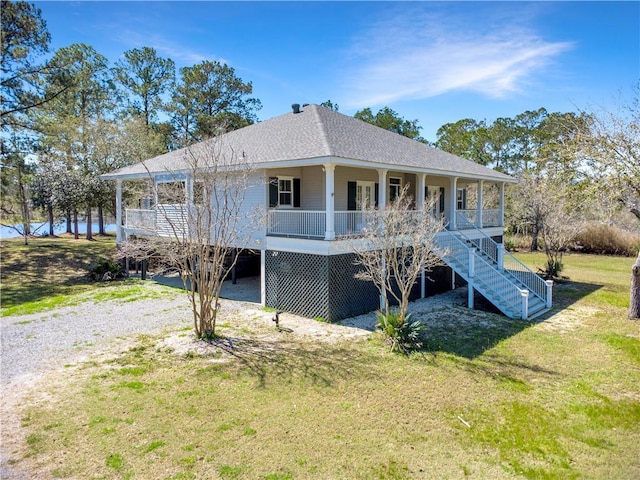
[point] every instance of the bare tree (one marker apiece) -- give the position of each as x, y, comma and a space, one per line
559, 227
396, 246
613, 147
203, 223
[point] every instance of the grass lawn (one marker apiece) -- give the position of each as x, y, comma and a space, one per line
559, 398
54, 272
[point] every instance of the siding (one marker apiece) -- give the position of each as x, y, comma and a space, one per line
313, 182
350, 174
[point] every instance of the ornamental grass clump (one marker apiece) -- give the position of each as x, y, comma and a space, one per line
402, 334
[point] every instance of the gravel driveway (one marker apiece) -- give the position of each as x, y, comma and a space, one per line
32, 345
37, 342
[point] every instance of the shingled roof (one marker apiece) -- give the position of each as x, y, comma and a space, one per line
319, 135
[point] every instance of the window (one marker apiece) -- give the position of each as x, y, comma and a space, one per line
435, 195
365, 194
461, 199
395, 186
285, 192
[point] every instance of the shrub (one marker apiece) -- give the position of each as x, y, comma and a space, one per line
106, 269
402, 334
607, 240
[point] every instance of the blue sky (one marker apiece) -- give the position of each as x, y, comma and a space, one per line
436, 62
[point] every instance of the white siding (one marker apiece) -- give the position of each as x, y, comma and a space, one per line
250, 225
312, 185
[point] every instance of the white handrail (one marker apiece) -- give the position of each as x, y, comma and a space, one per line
510, 263
487, 277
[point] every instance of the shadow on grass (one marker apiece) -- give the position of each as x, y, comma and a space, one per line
318, 364
48, 267
470, 333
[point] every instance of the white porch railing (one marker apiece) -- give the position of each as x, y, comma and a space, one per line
349, 223
490, 218
136, 219
297, 223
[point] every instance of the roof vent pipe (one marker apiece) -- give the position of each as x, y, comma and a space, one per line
296, 108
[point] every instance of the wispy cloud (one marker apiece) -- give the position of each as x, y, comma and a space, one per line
182, 54
416, 55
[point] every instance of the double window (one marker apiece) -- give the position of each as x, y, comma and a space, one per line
285, 192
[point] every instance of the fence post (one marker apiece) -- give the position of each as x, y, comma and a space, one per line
549, 292
525, 304
500, 256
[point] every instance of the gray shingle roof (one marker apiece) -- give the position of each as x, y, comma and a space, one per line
321, 133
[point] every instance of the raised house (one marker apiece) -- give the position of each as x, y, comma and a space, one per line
311, 169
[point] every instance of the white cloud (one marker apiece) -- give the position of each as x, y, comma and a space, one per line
180, 53
417, 55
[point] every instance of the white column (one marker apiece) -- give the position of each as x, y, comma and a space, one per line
329, 180
452, 203
420, 190
479, 220
119, 235
549, 284
382, 188
423, 283
501, 213
263, 277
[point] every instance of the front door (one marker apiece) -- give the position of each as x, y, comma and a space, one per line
365, 194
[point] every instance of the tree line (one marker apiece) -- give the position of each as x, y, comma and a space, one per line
71, 116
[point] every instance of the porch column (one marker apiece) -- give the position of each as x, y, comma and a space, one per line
501, 208
329, 181
420, 190
382, 188
453, 197
479, 220
119, 232
263, 277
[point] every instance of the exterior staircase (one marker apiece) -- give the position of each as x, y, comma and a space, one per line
505, 281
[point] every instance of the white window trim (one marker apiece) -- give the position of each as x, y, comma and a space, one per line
392, 185
290, 192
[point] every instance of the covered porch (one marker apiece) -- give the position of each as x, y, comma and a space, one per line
337, 192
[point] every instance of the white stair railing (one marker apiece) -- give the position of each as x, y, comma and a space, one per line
489, 247
484, 276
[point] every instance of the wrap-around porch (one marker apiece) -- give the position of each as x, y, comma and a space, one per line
323, 202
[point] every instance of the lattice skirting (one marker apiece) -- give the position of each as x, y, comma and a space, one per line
318, 286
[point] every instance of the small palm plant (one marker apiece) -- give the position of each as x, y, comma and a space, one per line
402, 334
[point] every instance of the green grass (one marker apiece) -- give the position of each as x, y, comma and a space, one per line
53, 273
487, 398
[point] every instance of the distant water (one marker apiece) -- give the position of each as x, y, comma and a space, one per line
42, 229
